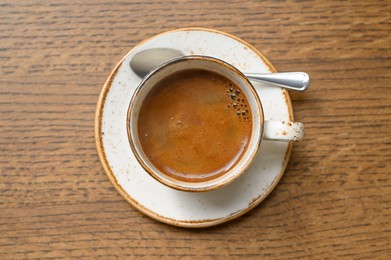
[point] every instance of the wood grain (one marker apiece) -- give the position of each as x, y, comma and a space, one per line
334, 200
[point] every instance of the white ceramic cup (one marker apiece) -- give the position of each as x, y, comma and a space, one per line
262, 130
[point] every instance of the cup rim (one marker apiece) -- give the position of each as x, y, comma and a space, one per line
260, 128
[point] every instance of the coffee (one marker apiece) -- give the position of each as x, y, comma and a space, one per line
195, 125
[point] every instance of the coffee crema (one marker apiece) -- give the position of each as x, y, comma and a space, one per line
195, 125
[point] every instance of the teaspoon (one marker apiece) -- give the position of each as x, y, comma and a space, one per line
145, 61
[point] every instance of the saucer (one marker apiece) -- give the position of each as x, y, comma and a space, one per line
178, 208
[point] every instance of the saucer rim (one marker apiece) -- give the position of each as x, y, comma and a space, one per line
108, 171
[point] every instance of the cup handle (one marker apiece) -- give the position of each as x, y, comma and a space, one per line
283, 131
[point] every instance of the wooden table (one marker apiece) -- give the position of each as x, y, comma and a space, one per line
334, 199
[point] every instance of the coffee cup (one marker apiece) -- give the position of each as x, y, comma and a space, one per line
195, 123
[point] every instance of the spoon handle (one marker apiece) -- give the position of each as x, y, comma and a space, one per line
299, 81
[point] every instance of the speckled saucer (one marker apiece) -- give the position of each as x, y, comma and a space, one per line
153, 198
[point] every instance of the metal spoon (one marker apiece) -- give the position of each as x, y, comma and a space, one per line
145, 61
